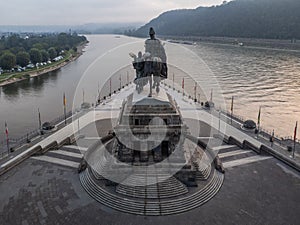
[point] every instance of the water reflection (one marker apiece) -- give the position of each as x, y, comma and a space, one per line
258, 77
11, 92
34, 85
255, 76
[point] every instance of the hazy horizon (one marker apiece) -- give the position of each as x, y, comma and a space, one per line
76, 12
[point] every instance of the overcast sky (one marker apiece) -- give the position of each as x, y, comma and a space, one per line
77, 12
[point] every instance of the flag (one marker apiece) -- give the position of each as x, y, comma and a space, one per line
40, 122
182, 83
295, 131
64, 100
110, 86
7, 139
82, 95
258, 118
65, 104
6, 129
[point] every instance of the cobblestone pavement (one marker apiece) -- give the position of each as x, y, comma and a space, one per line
36, 192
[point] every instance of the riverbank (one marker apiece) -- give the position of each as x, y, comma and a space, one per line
16, 77
251, 42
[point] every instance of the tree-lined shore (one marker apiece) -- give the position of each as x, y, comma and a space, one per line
23, 56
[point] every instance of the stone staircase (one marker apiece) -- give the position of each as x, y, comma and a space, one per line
168, 188
150, 206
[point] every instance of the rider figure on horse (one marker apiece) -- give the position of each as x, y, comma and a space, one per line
153, 62
156, 49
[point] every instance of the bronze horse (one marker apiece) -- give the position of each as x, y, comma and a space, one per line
146, 67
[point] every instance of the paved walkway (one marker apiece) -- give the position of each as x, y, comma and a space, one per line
111, 108
106, 110
43, 192
191, 110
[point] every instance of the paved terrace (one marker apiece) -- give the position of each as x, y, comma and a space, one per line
257, 189
189, 110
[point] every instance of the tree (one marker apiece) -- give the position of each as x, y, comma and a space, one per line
67, 47
45, 55
240, 18
52, 53
75, 49
23, 58
7, 61
35, 55
38, 46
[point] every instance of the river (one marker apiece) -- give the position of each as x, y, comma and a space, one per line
254, 76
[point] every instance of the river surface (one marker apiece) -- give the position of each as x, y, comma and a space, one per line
258, 77
254, 76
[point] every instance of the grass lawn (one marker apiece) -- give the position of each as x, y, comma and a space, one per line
6, 76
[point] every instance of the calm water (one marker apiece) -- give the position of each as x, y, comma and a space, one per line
19, 102
256, 77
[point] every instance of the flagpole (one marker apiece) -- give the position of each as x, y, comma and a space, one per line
258, 121
110, 94
98, 98
82, 95
173, 81
127, 78
231, 109
295, 137
78, 126
40, 122
183, 86
272, 138
65, 102
195, 91
7, 138
219, 130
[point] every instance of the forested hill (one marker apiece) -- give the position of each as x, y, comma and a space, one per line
274, 19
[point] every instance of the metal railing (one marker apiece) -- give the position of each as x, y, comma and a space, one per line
15, 143
121, 79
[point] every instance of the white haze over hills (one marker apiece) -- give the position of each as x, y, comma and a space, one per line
86, 28
95, 16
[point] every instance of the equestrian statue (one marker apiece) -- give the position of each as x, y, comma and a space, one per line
153, 63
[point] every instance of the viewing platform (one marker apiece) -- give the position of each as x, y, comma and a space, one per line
46, 188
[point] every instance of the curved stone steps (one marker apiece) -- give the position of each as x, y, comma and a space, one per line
167, 189
140, 179
100, 170
152, 208
195, 200
116, 202
203, 172
108, 199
